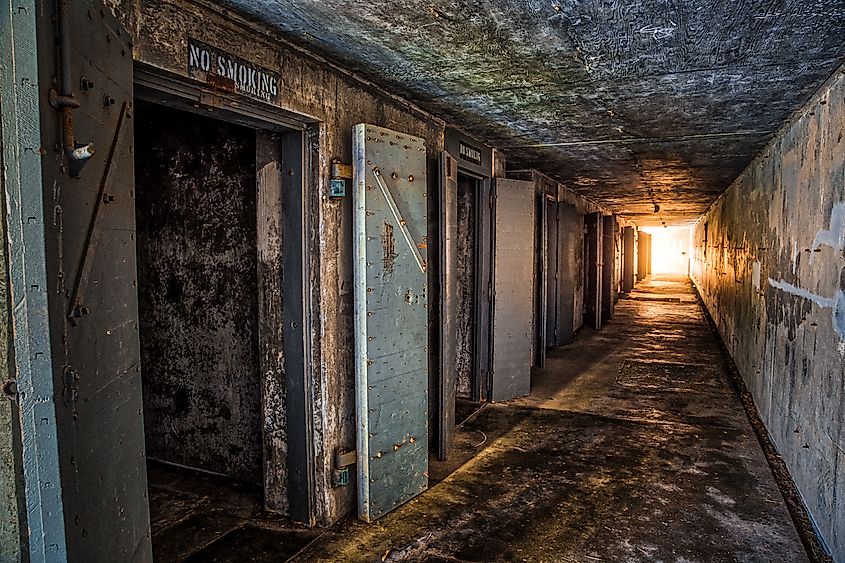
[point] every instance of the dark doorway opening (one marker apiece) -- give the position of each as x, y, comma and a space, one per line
221, 309
197, 291
198, 312
466, 365
474, 271
466, 308
593, 245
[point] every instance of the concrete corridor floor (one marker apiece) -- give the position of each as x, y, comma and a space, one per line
631, 447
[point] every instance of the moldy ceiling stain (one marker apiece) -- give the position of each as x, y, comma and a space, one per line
658, 101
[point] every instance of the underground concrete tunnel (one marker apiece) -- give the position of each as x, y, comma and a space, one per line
422, 281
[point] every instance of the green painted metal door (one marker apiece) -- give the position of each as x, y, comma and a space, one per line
391, 318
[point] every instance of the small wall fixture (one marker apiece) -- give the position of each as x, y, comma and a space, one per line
337, 183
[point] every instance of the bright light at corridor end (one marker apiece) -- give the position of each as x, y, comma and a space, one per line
670, 249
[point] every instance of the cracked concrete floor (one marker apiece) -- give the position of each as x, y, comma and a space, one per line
631, 447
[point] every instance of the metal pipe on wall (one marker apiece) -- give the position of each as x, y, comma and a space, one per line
64, 100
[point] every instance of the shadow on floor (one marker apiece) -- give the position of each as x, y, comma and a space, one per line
196, 517
631, 447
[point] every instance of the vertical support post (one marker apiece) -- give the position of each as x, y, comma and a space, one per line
642, 255
448, 265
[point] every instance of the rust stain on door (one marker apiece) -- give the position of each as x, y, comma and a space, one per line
388, 245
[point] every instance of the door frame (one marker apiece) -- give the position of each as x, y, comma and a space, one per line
545, 219
481, 170
593, 268
299, 154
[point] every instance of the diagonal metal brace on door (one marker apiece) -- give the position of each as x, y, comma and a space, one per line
399, 220
76, 308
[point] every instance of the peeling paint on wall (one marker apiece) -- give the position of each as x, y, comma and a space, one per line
755, 275
817, 299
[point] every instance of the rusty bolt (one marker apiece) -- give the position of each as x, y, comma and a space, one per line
108, 198
85, 84
10, 389
108, 101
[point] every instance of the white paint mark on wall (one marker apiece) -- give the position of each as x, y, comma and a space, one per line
834, 236
837, 304
825, 302
755, 275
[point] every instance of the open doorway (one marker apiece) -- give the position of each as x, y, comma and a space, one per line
669, 250
221, 317
471, 335
198, 312
197, 292
465, 249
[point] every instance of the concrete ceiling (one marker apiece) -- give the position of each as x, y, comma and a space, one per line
630, 103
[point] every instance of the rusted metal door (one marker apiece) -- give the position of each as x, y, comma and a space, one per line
448, 302
593, 264
391, 318
73, 235
513, 317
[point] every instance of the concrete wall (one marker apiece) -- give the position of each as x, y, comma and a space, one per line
769, 261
